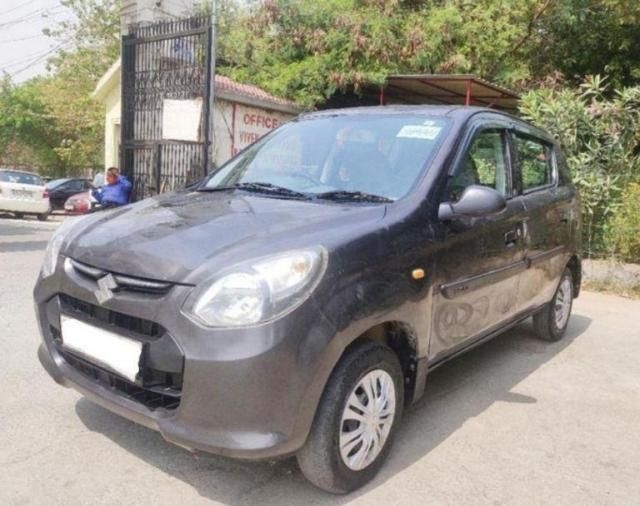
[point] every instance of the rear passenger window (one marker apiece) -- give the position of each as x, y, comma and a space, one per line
535, 162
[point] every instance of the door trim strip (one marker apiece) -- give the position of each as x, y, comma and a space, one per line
456, 288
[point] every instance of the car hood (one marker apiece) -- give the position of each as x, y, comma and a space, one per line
183, 236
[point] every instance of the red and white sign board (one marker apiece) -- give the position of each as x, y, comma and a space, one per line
238, 125
251, 123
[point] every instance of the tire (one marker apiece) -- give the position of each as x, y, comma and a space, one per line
43, 217
547, 323
19, 215
320, 459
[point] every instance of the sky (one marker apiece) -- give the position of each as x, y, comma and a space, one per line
24, 49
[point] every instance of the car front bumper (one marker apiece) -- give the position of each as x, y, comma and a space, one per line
245, 393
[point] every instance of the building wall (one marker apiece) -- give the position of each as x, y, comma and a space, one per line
236, 126
147, 11
112, 128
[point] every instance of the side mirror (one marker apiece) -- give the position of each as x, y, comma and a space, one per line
475, 201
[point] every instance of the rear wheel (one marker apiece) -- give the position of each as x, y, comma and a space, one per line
19, 215
43, 217
359, 410
551, 322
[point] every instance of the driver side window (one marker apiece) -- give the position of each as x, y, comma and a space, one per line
485, 164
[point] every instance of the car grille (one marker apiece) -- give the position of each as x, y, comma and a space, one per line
71, 306
127, 283
161, 390
166, 397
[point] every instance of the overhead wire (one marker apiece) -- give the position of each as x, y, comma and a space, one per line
50, 12
23, 38
39, 59
25, 58
17, 7
28, 61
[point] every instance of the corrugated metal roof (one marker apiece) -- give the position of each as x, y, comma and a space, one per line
455, 89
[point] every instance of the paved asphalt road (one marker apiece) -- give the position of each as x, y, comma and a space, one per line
516, 421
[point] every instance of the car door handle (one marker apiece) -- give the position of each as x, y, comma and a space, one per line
511, 237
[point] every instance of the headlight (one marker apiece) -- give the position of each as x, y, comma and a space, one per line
257, 291
54, 246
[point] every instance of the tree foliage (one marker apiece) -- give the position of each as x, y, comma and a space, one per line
588, 37
600, 134
623, 233
306, 50
53, 122
27, 134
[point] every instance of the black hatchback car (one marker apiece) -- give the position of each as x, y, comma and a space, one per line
294, 301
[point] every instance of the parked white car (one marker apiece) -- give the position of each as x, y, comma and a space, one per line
23, 193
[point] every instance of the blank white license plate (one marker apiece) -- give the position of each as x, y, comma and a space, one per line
111, 351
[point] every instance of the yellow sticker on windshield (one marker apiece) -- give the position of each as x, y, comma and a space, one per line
429, 132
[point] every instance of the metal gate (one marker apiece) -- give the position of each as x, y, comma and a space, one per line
164, 60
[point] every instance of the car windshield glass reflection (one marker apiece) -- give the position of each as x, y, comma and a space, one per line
375, 158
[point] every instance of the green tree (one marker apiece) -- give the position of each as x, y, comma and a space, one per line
600, 133
52, 122
27, 134
588, 37
94, 34
306, 50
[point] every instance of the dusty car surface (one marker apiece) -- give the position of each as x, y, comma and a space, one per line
23, 193
295, 300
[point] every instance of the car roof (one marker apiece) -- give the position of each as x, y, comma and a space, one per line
461, 113
60, 180
7, 169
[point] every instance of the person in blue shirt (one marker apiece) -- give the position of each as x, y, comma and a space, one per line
116, 190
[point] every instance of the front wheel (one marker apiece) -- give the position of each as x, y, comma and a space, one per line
359, 410
551, 322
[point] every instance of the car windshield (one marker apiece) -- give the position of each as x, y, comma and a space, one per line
374, 157
9, 176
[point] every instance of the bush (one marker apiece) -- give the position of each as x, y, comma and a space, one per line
623, 232
600, 135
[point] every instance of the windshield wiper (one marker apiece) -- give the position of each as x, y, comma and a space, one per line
352, 196
215, 188
271, 189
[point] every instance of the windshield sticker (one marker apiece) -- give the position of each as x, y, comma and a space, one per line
419, 132
429, 122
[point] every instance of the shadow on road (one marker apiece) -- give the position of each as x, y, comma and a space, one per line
456, 392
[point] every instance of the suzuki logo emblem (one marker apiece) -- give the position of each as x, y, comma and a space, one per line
106, 285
